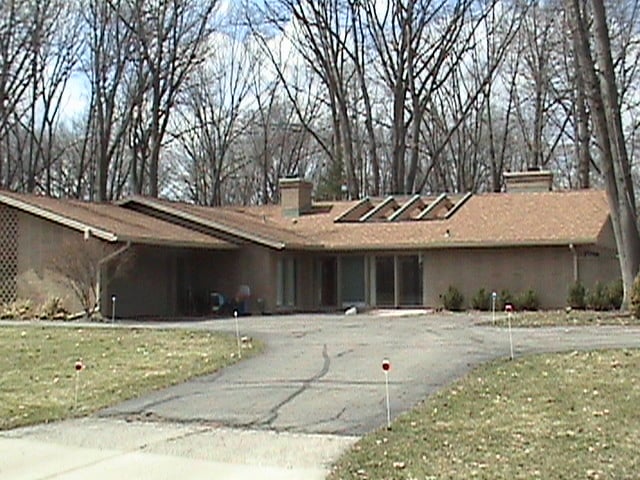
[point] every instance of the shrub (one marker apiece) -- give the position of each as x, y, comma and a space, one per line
577, 296
598, 297
527, 301
481, 300
453, 299
18, 310
504, 298
635, 297
53, 309
616, 294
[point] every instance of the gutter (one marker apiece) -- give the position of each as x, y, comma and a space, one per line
227, 246
448, 245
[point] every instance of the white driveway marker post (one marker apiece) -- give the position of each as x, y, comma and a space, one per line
235, 315
78, 366
509, 308
113, 308
386, 366
494, 295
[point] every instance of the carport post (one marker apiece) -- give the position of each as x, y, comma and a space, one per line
103, 261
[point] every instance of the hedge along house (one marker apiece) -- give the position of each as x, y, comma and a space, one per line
303, 255
37, 233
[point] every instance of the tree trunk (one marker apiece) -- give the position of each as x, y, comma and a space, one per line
607, 122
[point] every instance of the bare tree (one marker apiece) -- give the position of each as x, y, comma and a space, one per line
54, 54
499, 117
209, 116
322, 34
168, 42
422, 45
539, 46
398, 35
80, 263
582, 133
16, 31
295, 89
603, 98
107, 63
278, 142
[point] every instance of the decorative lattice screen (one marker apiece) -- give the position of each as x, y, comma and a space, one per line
8, 254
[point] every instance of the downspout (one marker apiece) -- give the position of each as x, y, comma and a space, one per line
101, 263
576, 276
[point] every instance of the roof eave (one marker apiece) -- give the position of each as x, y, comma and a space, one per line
459, 244
159, 242
243, 235
60, 219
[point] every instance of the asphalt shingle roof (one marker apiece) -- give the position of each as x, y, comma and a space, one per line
484, 220
112, 222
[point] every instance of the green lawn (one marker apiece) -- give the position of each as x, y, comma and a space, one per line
38, 377
562, 318
568, 416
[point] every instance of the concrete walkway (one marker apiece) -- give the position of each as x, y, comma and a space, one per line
106, 449
288, 413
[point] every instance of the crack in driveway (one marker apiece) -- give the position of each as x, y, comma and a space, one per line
146, 410
273, 413
266, 393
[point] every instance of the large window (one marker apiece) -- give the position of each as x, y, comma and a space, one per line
410, 280
328, 268
287, 282
352, 280
398, 280
384, 281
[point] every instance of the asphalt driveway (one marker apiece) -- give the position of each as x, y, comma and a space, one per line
286, 414
322, 374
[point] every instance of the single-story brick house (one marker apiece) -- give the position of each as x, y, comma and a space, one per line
303, 255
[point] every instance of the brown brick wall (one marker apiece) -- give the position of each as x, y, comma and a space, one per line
178, 282
167, 281
40, 241
549, 271
148, 288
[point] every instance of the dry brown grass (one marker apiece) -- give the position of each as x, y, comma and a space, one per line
562, 318
37, 381
569, 416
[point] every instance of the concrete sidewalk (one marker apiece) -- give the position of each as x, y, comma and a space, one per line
107, 449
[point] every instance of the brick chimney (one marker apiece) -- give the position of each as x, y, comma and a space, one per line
529, 181
295, 196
